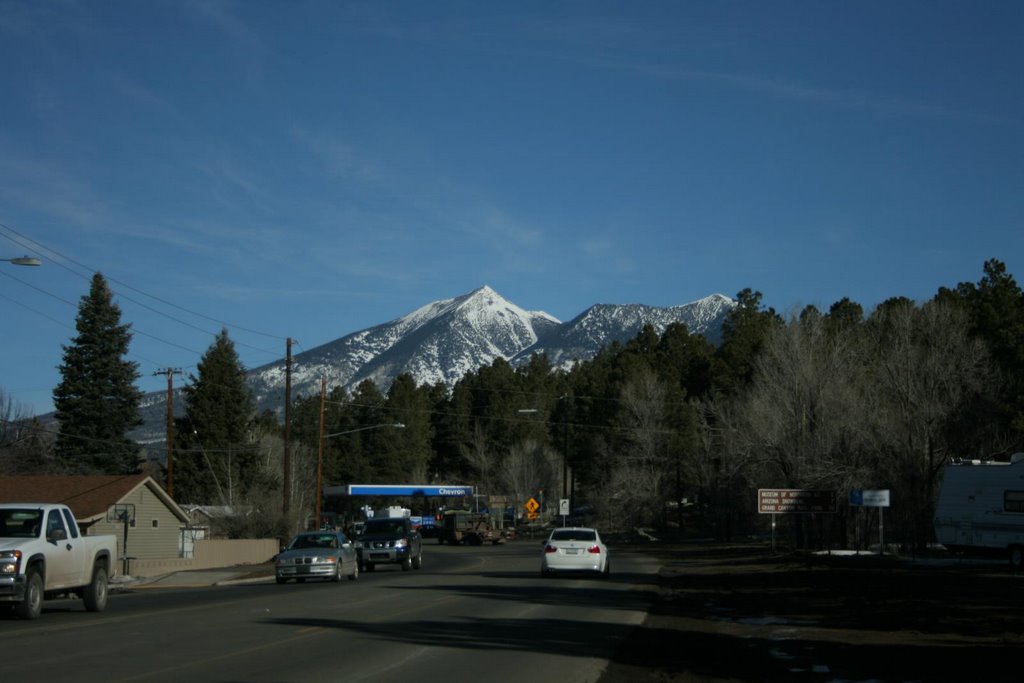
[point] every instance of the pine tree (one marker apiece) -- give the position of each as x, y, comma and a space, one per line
97, 401
996, 307
215, 453
744, 332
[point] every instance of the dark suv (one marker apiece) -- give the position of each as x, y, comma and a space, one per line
389, 540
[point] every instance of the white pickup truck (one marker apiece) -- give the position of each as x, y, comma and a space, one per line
43, 553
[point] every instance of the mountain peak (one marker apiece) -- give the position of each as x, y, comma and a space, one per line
440, 342
493, 303
484, 290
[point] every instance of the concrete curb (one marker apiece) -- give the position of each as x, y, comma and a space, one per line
190, 579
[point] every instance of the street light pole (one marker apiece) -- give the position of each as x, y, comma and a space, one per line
286, 484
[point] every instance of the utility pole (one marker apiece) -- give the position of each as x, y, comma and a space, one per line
287, 478
564, 398
320, 453
170, 372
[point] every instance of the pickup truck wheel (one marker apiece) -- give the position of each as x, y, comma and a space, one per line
32, 606
95, 594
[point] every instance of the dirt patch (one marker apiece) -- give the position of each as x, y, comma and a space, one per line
743, 613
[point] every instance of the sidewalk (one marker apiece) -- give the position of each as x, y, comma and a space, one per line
197, 578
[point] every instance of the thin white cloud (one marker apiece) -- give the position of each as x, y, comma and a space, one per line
862, 100
228, 176
651, 51
246, 44
338, 156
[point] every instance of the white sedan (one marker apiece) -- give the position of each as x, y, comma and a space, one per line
576, 549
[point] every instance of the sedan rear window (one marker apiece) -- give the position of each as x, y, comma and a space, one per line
573, 535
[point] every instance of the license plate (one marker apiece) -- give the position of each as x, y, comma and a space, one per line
572, 551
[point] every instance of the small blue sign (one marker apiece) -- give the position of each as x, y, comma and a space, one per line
442, 491
870, 498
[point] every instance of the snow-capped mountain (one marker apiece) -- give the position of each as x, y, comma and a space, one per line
581, 338
439, 342
444, 340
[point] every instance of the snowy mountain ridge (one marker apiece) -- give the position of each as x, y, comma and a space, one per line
443, 340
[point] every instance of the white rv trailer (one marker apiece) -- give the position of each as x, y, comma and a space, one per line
981, 509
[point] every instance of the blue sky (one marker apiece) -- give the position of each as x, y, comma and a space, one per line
310, 169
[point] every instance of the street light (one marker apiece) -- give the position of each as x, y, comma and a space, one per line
320, 449
23, 261
565, 445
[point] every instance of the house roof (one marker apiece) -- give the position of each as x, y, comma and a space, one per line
220, 511
89, 497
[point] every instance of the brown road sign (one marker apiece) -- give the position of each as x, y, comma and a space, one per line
795, 501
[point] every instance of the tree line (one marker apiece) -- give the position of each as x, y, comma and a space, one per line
665, 430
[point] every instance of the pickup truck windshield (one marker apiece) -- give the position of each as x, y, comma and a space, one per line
384, 526
20, 523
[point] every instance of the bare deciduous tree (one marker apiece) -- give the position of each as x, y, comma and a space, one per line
804, 410
926, 366
25, 446
482, 456
527, 468
639, 476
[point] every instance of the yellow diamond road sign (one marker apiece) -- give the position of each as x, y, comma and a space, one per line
532, 505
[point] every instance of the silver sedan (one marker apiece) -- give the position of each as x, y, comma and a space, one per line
577, 549
317, 555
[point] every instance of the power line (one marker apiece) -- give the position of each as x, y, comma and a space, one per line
27, 243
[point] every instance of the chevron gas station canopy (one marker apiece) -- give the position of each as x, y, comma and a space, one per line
430, 490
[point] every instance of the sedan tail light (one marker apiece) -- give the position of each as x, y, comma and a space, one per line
594, 550
550, 549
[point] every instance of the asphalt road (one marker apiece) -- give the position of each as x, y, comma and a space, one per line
471, 613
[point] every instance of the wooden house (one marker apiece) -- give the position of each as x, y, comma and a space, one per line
134, 507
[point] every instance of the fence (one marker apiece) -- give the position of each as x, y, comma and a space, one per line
210, 554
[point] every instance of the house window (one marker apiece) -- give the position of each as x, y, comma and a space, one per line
1013, 501
156, 523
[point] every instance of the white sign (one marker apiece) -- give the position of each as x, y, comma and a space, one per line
563, 506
